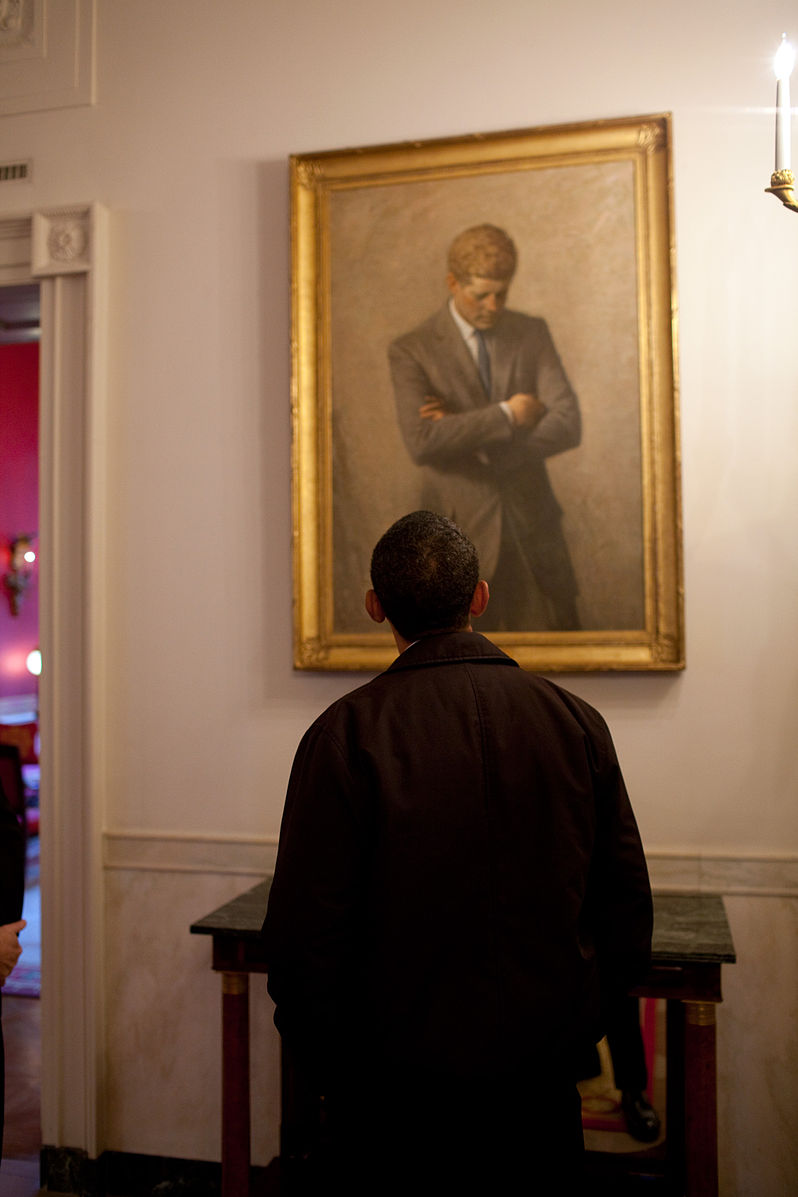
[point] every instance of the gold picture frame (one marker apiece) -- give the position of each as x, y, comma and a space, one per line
589, 207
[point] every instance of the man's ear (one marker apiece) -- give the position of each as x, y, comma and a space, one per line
480, 600
374, 607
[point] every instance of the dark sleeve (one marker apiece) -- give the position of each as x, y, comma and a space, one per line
619, 893
12, 863
312, 930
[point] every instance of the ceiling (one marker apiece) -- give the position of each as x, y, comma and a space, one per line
19, 314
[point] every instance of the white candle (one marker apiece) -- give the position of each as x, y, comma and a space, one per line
783, 65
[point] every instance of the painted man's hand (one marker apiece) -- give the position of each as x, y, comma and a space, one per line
527, 409
431, 409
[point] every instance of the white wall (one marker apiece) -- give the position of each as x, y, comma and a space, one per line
198, 109
199, 105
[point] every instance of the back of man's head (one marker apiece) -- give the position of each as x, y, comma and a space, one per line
425, 571
484, 251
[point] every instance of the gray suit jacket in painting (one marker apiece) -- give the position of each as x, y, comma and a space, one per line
477, 469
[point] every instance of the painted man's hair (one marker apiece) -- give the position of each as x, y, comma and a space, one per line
483, 251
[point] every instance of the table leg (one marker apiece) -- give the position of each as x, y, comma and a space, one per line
675, 1095
700, 1091
235, 1085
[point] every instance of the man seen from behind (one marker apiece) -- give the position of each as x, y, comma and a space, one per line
460, 892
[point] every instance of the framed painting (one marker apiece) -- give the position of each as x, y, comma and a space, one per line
562, 462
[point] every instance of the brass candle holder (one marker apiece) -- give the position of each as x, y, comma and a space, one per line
782, 184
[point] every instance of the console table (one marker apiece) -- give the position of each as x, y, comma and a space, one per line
691, 942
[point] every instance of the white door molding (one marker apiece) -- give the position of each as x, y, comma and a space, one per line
65, 250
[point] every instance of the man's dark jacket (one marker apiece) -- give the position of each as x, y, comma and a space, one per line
460, 883
12, 863
12, 888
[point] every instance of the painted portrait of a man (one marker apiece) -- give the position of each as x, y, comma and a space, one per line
483, 327
482, 401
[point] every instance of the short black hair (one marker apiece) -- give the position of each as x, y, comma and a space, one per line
425, 570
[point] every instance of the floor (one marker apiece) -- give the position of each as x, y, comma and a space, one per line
19, 1173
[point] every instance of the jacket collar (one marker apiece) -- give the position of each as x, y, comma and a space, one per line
446, 648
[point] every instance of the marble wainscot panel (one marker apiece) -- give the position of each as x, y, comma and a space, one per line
163, 1005
758, 1050
163, 1017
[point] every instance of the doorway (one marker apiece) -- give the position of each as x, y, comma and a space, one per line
20, 328
65, 250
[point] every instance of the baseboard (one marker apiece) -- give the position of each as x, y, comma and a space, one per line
68, 1170
123, 1174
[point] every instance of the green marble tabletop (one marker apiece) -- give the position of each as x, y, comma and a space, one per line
687, 927
241, 918
691, 928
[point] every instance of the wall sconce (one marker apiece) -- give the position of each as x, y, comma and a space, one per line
782, 181
20, 572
